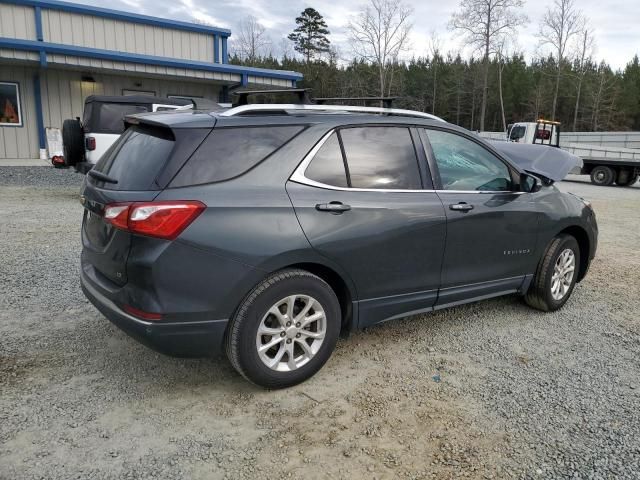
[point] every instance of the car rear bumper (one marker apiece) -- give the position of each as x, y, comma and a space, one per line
184, 339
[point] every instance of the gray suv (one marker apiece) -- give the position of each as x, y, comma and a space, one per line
267, 230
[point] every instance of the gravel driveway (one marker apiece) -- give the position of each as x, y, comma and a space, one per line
488, 390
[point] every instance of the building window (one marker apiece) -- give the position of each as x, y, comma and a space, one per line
127, 92
10, 114
184, 97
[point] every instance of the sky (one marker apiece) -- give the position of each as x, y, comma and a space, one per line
615, 22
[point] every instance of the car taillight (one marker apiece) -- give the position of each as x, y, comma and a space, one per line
90, 143
155, 219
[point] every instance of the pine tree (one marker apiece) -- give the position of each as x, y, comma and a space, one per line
310, 36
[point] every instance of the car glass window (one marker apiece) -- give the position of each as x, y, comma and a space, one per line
381, 158
517, 132
136, 158
327, 165
229, 152
465, 165
111, 116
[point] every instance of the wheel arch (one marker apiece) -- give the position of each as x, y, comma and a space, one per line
581, 236
346, 294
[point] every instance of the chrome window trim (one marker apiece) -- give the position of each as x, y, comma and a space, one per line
298, 176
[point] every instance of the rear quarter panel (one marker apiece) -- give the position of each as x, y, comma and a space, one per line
249, 220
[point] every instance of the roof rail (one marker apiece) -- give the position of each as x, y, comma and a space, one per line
285, 107
386, 101
243, 95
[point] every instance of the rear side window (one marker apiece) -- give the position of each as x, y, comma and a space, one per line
381, 158
229, 152
136, 158
327, 165
109, 117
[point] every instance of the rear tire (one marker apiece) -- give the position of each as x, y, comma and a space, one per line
296, 297
602, 175
72, 142
626, 178
553, 271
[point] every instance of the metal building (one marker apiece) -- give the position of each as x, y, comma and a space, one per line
53, 54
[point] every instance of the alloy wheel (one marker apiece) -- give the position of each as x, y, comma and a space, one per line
563, 272
291, 333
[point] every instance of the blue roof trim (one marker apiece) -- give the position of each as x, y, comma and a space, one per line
119, 15
32, 45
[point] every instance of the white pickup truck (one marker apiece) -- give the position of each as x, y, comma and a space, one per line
102, 123
608, 157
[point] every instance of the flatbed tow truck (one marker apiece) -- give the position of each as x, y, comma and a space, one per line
608, 157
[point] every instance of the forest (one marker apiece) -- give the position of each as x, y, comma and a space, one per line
580, 92
450, 87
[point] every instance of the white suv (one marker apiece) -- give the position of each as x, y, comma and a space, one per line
102, 123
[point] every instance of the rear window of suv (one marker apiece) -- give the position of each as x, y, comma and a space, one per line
109, 117
229, 152
136, 158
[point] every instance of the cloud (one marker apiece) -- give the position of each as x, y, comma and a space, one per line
615, 23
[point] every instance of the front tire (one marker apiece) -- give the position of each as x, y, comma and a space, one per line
285, 330
556, 275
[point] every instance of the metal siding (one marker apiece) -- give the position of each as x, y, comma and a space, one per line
17, 21
20, 142
105, 33
64, 91
7, 53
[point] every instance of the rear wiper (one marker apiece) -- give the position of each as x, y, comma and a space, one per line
102, 177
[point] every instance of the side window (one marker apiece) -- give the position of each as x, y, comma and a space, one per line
327, 165
229, 152
381, 158
465, 165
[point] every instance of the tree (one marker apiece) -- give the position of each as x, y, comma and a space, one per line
485, 24
310, 36
560, 23
379, 33
434, 50
586, 45
252, 39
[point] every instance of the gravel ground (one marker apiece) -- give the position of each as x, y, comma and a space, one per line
488, 390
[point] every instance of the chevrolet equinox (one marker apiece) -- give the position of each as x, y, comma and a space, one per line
266, 231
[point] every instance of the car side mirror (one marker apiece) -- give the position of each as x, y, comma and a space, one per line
529, 183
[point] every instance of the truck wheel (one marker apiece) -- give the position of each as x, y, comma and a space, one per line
72, 142
602, 175
626, 178
285, 330
556, 275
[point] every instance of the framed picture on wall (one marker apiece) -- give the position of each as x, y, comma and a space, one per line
10, 113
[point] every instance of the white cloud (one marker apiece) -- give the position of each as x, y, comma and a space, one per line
615, 22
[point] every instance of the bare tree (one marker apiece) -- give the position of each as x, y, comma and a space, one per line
379, 33
585, 48
485, 23
252, 39
434, 50
560, 23
500, 55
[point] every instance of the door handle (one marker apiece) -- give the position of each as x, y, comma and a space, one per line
333, 207
461, 207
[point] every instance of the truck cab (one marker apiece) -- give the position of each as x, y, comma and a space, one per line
542, 132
